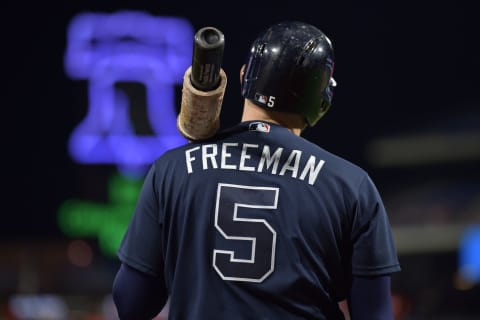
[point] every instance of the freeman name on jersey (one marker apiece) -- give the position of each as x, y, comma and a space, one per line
218, 156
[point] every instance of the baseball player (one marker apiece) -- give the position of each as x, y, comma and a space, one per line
256, 222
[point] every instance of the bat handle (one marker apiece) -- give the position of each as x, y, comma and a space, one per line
207, 58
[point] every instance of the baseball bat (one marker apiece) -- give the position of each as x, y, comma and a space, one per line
207, 58
204, 85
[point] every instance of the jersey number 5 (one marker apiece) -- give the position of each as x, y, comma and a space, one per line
258, 232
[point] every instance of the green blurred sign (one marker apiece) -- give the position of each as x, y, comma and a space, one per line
105, 221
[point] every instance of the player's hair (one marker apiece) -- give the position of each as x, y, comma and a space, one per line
289, 68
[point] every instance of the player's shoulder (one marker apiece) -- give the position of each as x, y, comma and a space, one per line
172, 156
340, 167
175, 151
333, 158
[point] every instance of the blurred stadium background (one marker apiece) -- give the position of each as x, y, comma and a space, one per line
91, 90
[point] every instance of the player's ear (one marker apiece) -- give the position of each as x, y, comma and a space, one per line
242, 71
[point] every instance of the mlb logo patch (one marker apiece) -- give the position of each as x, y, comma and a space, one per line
261, 98
259, 126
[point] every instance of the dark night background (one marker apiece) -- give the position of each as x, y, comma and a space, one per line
402, 67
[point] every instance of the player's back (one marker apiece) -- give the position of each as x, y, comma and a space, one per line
256, 226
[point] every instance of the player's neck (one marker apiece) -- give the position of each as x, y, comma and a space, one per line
292, 122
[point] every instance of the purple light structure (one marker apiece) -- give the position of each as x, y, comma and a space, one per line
126, 46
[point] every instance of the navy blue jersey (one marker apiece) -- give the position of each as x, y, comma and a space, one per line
258, 223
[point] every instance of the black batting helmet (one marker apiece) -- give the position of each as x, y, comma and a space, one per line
289, 69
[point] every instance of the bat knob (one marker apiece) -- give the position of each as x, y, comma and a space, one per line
207, 58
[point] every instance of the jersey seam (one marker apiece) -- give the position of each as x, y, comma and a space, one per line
136, 264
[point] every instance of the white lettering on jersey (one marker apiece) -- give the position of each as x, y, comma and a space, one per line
211, 156
245, 156
189, 158
269, 162
269, 159
311, 169
295, 158
225, 155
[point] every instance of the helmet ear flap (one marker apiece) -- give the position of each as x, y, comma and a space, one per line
327, 99
332, 83
329, 89
324, 107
